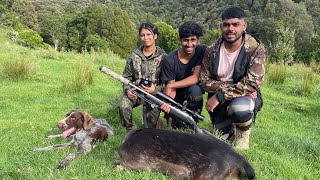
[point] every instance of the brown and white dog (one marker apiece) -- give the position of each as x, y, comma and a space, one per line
84, 132
182, 155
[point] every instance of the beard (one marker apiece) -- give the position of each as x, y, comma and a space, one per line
231, 41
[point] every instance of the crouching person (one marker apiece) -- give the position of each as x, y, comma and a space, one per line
232, 73
181, 70
143, 63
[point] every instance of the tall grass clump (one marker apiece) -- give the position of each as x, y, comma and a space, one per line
308, 80
18, 68
315, 66
277, 74
81, 76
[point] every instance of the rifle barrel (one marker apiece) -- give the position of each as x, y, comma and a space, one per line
114, 75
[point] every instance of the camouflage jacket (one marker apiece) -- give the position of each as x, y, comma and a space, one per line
248, 75
138, 66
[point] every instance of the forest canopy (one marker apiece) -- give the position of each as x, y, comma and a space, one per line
288, 28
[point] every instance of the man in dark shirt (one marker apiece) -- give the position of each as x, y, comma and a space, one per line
181, 70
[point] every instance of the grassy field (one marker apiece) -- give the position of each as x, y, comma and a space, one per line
285, 140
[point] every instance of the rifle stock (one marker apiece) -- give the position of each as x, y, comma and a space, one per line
173, 110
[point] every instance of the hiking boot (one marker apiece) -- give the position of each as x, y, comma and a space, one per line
242, 139
228, 137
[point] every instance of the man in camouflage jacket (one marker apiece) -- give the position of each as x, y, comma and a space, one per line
138, 66
232, 73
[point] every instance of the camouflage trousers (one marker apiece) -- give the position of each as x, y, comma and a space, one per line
126, 107
237, 113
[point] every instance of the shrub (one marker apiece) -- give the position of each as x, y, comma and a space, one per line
168, 38
31, 38
82, 77
282, 48
315, 66
210, 36
18, 68
277, 74
307, 83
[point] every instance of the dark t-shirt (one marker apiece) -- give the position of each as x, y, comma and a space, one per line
174, 69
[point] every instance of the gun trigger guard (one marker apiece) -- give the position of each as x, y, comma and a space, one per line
184, 106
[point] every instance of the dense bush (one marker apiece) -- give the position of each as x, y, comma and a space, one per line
96, 43
209, 36
282, 49
31, 38
168, 38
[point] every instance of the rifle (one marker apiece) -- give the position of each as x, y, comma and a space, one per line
156, 102
168, 99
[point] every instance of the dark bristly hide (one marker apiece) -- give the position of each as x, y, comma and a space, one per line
182, 155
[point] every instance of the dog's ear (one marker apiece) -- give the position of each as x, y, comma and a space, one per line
87, 120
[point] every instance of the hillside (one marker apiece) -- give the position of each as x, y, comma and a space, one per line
288, 28
285, 141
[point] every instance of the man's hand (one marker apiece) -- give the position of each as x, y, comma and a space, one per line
165, 107
253, 95
212, 103
150, 89
170, 91
130, 95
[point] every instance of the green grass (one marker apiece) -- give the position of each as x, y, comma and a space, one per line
284, 141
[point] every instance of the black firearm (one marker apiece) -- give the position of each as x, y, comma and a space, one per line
169, 100
156, 102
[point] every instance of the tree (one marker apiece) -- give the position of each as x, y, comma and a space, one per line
210, 36
168, 38
313, 8
7, 17
119, 31
95, 14
282, 49
54, 30
94, 42
27, 14
293, 15
76, 33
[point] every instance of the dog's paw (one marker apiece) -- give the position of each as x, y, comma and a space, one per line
53, 136
40, 149
61, 165
52, 129
119, 168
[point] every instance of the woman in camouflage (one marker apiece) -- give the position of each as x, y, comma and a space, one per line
143, 62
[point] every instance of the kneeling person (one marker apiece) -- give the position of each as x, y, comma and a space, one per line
143, 62
181, 70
